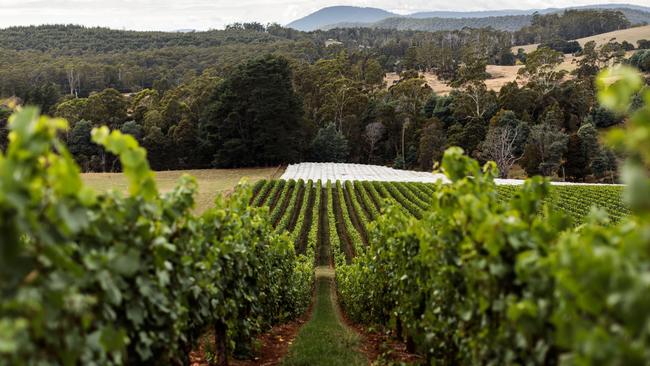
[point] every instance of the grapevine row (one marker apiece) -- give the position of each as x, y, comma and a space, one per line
359, 215
112, 279
356, 204
351, 232
290, 205
340, 257
281, 202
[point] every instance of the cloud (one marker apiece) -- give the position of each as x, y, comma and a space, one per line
210, 14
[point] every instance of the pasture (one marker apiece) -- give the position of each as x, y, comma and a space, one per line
212, 182
631, 35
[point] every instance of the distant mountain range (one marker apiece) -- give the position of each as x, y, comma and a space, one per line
508, 19
339, 14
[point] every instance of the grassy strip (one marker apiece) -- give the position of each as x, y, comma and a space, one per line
346, 242
324, 250
324, 340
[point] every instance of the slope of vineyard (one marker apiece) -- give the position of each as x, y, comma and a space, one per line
351, 205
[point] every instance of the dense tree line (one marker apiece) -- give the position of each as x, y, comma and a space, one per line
271, 111
44, 62
572, 24
504, 23
225, 106
47, 62
641, 59
75, 40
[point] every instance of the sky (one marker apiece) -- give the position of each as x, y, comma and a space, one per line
215, 14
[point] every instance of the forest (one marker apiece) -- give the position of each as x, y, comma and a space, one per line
254, 95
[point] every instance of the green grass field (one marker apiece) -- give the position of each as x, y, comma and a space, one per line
212, 182
325, 340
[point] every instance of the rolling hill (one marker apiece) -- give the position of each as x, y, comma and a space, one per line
631, 35
508, 19
505, 12
339, 14
504, 23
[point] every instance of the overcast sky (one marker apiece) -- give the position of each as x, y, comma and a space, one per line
210, 14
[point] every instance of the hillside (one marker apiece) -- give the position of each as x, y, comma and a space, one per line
505, 12
504, 23
338, 14
73, 39
499, 76
507, 19
631, 35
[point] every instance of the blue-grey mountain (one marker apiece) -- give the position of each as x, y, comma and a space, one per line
507, 19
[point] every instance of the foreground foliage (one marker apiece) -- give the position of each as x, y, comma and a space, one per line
483, 280
111, 279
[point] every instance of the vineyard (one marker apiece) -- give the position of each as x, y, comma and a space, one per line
467, 272
342, 211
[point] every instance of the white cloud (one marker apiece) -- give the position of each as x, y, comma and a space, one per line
207, 14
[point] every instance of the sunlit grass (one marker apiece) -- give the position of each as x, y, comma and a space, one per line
211, 181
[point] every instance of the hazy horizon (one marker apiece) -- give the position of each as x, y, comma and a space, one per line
166, 15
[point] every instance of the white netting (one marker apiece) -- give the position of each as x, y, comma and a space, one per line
344, 172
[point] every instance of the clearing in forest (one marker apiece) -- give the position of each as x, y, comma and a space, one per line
501, 75
631, 35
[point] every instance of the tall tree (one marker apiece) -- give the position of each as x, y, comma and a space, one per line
329, 145
505, 141
108, 107
547, 145
432, 145
255, 117
541, 69
499, 146
374, 132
